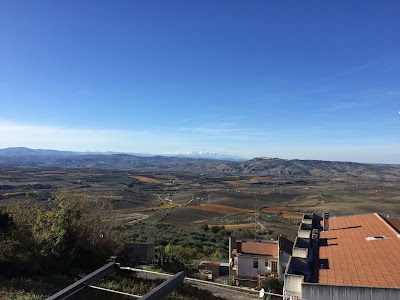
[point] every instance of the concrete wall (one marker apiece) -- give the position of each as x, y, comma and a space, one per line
283, 262
333, 292
307, 221
293, 286
305, 234
300, 252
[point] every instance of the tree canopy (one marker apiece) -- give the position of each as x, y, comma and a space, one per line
70, 230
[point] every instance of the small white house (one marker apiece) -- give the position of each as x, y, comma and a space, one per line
254, 260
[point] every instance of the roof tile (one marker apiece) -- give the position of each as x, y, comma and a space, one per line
353, 260
264, 248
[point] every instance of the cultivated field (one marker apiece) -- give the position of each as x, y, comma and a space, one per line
146, 179
275, 209
222, 209
237, 226
189, 199
292, 215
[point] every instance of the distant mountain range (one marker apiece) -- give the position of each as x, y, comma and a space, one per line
273, 167
207, 155
23, 151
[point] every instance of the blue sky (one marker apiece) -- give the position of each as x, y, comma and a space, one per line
290, 79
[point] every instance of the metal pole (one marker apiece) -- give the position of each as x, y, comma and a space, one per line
85, 281
162, 291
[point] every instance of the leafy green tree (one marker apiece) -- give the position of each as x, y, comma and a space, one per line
16, 247
204, 226
70, 230
272, 285
243, 233
126, 256
87, 227
215, 229
177, 254
6, 221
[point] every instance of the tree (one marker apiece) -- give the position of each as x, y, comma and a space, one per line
216, 229
180, 257
204, 226
70, 230
6, 221
242, 233
272, 285
90, 234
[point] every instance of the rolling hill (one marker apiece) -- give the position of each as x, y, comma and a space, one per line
273, 167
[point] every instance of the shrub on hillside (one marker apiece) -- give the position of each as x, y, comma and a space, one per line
68, 231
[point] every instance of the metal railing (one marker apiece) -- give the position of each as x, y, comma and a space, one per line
160, 292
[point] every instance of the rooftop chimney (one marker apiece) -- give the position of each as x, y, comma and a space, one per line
325, 217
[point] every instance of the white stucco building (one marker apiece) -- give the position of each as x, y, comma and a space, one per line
254, 260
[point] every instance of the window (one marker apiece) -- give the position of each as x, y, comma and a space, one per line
274, 267
255, 263
374, 238
266, 262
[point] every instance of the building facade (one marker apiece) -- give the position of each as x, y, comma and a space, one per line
252, 261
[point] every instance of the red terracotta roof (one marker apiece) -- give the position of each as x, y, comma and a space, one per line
264, 248
351, 259
209, 263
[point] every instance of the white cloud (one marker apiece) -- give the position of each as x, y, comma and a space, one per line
38, 136
222, 139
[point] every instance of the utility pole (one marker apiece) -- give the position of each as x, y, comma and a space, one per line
255, 215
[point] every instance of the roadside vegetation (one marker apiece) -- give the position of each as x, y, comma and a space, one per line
205, 242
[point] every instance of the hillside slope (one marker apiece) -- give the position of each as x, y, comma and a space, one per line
273, 167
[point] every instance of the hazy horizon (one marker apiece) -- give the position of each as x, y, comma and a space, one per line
292, 80
218, 155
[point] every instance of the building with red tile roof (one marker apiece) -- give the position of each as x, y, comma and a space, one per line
348, 257
259, 247
253, 260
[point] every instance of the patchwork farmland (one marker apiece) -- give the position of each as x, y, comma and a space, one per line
192, 199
